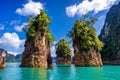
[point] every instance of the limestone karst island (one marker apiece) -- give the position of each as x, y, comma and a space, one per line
60, 40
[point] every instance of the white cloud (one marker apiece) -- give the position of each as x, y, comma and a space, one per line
11, 42
1, 27
14, 22
86, 6
21, 27
53, 51
72, 51
30, 9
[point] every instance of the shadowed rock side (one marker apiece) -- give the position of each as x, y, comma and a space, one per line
110, 35
37, 45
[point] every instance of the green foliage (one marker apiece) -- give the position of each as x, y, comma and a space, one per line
31, 31
63, 49
85, 35
112, 40
50, 36
109, 52
38, 26
43, 19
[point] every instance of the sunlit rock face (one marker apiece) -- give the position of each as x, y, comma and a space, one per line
37, 45
36, 53
86, 58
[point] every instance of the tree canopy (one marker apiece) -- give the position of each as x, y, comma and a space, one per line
39, 26
63, 49
84, 34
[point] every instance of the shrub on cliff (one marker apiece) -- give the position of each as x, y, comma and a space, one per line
39, 26
63, 49
84, 35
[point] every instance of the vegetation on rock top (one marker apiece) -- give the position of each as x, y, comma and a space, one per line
63, 49
38, 26
84, 34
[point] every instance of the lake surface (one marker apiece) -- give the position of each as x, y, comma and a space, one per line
14, 72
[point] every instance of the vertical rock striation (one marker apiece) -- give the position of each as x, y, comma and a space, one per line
37, 45
87, 58
110, 34
36, 53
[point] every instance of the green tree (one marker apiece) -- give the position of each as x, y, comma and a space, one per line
39, 26
63, 49
84, 34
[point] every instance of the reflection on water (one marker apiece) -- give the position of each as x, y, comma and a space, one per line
14, 72
33, 73
61, 73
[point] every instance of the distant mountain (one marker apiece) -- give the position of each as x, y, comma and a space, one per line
12, 58
18, 57
110, 34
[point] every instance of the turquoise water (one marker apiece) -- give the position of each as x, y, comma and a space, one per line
14, 72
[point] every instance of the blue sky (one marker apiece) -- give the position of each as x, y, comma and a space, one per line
63, 13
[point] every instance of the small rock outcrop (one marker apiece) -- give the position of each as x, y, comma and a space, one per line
63, 52
37, 45
3, 54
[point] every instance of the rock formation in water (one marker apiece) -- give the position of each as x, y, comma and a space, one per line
2, 62
63, 52
2, 58
110, 35
85, 43
37, 45
89, 58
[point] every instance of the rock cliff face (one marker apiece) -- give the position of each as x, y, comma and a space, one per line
36, 53
86, 44
110, 34
37, 45
87, 58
